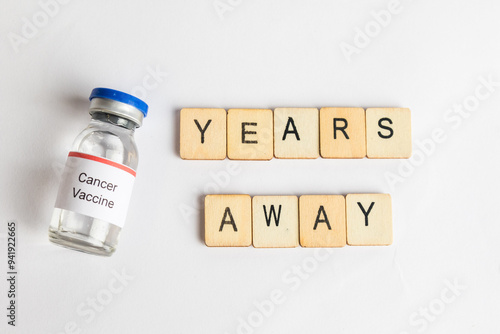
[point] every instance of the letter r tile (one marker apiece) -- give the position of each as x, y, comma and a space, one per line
342, 133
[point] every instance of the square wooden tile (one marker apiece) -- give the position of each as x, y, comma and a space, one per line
228, 220
342, 132
322, 221
250, 134
369, 219
388, 133
296, 133
203, 134
275, 221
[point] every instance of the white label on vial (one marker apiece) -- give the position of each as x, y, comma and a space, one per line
96, 187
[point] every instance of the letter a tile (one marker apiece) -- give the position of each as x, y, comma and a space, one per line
322, 221
296, 133
228, 220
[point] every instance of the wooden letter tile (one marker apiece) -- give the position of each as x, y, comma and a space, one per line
296, 133
275, 221
228, 220
388, 132
203, 134
342, 133
369, 219
250, 134
322, 221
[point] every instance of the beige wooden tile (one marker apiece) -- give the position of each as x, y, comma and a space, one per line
296, 133
342, 133
388, 132
203, 134
228, 220
369, 219
250, 134
322, 221
275, 221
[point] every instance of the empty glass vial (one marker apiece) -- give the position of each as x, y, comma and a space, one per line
97, 181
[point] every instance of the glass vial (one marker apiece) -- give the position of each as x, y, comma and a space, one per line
97, 181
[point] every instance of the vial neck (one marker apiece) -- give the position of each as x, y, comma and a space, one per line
114, 120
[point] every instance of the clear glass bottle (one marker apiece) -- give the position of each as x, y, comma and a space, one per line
98, 177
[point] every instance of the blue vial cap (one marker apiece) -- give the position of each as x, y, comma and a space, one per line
116, 95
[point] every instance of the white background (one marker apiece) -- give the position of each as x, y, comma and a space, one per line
257, 54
